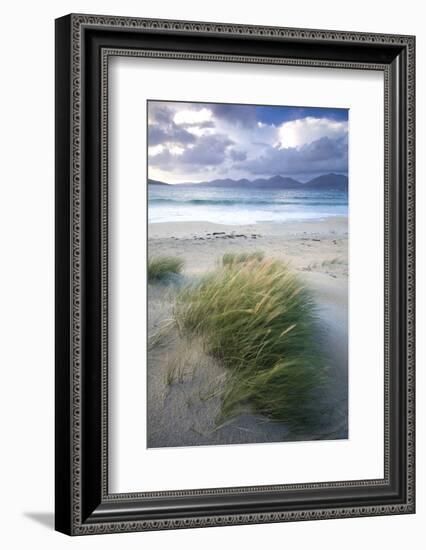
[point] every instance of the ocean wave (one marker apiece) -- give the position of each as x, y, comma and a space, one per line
236, 202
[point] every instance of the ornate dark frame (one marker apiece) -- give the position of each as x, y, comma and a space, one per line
83, 46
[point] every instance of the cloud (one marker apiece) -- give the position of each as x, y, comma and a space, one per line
193, 116
170, 134
296, 133
320, 156
162, 128
240, 115
237, 155
159, 113
178, 124
207, 151
187, 139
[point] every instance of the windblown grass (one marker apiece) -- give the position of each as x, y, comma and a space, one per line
237, 258
162, 267
259, 321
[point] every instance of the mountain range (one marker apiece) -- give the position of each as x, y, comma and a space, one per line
329, 182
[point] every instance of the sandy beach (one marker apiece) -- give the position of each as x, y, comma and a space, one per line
183, 382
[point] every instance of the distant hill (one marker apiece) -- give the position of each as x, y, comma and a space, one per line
276, 182
326, 181
329, 182
155, 182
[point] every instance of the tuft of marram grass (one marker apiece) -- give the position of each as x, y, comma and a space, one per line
162, 267
259, 320
237, 258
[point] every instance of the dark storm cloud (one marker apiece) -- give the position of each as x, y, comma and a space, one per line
162, 129
322, 155
170, 134
207, 151
242, 115
160, 113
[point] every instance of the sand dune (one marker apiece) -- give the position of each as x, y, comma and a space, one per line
184, 383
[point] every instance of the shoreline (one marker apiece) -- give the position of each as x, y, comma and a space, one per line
333, 220
301, 244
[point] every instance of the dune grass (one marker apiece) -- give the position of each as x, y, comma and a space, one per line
162, 267
259, 321
241, 257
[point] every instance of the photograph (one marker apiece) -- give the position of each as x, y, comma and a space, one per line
247, 273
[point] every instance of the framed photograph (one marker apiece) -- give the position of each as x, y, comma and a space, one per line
234, 274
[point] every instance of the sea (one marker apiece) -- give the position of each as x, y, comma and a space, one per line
235, 206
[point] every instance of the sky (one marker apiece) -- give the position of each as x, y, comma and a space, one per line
193, 142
